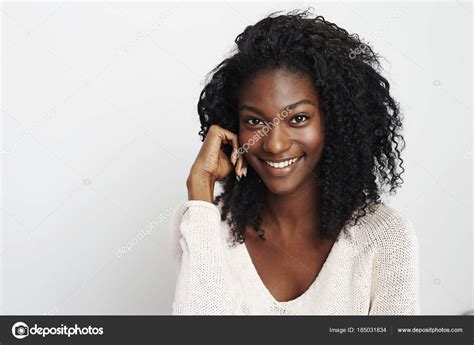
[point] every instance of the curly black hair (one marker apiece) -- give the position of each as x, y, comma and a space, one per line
361, 155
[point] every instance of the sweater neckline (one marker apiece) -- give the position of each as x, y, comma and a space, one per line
320, 276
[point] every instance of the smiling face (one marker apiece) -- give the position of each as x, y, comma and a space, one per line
280, 122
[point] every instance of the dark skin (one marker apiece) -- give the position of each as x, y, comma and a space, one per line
292, 254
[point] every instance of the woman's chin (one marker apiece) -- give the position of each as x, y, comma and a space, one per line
280, 188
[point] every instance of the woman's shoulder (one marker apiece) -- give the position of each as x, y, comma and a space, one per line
384, 226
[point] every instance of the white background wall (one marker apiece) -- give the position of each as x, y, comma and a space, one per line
100, 130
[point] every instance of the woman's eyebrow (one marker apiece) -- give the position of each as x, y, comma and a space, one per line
294, 105
290, 106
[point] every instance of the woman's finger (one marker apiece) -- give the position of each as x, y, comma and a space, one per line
243, 165
231, 138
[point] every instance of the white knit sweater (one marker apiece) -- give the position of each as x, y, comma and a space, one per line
371, 270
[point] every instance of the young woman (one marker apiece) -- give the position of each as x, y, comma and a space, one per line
300, 129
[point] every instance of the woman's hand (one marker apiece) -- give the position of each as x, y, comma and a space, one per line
212, 164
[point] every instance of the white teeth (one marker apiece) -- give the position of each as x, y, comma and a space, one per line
281, 164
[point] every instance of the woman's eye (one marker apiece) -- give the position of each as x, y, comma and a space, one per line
255, 122
299, 118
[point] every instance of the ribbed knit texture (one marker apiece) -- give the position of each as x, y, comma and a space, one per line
373, 269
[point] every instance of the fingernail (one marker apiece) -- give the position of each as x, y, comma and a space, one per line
234, 157
244, 171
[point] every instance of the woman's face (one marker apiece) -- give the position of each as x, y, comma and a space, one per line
294, 136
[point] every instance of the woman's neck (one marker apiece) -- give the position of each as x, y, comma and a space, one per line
293, 217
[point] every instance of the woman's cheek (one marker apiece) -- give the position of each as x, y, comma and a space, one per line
244, 138
313, 137
248, 144
314, 142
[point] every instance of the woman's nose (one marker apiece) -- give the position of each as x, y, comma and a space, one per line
276, 141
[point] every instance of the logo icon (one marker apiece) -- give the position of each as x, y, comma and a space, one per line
20, 330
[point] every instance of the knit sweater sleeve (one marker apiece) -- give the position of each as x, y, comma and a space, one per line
203, 284
395, 282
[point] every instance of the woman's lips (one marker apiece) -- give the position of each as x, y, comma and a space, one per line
279, 169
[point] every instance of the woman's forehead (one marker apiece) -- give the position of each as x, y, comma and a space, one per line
278, 88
